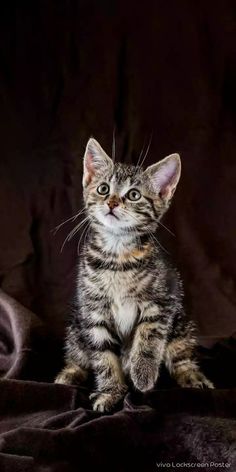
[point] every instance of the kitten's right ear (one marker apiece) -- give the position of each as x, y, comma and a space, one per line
96, 161
163, 176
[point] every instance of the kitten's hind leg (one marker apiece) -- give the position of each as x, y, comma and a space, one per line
76, 366
76, 359
72, 374
181, 365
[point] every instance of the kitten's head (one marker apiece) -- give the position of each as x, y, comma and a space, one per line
125, 198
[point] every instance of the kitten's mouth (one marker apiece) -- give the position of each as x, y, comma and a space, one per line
112, 214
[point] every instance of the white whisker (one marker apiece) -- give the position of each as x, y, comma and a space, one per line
74, 231
87, 226
147, 151
140, 156
114, 145
72, 218
167, 229
158, 242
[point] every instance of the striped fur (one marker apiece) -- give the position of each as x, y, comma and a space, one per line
129, 317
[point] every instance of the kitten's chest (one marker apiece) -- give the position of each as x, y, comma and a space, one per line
124, 306
125, 314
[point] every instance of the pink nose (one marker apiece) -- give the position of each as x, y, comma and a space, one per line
112, 204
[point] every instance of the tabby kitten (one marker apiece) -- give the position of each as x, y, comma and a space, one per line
130, 316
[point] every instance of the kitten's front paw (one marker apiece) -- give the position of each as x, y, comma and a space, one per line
103, 402
144, 374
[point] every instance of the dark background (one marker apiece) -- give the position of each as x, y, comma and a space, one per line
71, 69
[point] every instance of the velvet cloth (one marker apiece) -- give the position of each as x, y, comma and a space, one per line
69, 70
48, 427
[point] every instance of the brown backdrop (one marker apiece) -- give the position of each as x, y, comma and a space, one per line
73, 69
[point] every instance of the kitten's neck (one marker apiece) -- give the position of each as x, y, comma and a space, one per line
119, 243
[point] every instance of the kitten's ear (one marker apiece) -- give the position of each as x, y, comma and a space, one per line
163, 177
96, 161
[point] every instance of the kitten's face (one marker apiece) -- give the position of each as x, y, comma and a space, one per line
123, 198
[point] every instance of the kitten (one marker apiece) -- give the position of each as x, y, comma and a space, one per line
130, 316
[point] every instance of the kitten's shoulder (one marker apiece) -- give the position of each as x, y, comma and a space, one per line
170, 273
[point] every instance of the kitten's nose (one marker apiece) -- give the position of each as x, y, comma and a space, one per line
112, 203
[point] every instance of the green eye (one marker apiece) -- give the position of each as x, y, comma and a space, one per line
133, 195
103, 189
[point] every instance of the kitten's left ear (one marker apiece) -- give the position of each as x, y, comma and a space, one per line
96, 161
163, 177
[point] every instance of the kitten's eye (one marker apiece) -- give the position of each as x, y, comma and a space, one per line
103, 189
134, 195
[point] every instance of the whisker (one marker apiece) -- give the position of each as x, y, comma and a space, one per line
167, 229
72, 218
87, 232
114, 144
69, 237
55, 230
140, 155
74, 231
87, 226
147, 151
158, 242
77, 228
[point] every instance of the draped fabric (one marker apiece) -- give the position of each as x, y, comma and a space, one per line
48, 427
